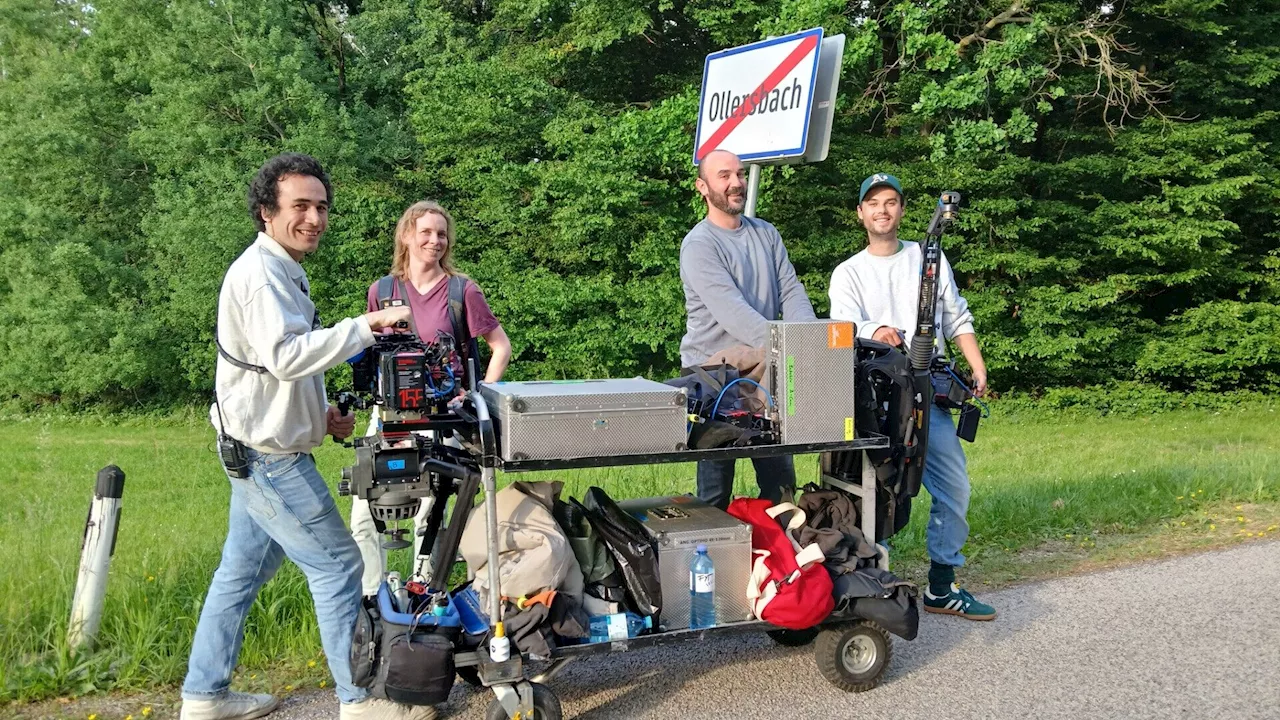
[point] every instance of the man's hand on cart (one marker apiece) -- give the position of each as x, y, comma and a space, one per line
888, 335
457, 400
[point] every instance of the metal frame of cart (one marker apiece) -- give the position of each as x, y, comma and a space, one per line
851, 654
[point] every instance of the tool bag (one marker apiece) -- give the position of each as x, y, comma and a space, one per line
881, 597
789, 586
632, 550
706, 385
403, 657
886, 405
599, 572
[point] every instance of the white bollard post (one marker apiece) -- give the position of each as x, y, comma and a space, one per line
95, 557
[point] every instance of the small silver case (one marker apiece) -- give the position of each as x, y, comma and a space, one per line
678, 524
566, 419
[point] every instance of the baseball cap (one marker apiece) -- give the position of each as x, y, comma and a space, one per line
878, 180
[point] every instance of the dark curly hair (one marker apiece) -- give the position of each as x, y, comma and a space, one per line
264, 191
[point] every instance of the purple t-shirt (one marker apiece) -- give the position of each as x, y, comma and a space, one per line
431, 311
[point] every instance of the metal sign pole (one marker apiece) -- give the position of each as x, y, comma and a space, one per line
753, 189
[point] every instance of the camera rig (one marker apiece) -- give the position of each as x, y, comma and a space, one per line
414, 389
922, 354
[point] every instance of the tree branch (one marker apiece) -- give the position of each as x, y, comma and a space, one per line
1013, 15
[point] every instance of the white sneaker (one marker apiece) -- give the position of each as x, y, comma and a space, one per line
232, 706
376, 709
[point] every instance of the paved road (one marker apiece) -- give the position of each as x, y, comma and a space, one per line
1193, 637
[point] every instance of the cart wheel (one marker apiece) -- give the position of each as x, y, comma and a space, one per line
470, 675
794, 638
853, 657
546, 706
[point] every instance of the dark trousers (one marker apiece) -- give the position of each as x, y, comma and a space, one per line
776, 477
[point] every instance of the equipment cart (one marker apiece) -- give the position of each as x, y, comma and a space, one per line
851, 653
806, 361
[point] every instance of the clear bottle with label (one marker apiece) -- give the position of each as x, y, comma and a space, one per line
702, 590
618, 626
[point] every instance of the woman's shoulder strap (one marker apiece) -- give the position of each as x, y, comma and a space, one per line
386, 289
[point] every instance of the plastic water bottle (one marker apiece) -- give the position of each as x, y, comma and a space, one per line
618, 626
702, 590
399, 593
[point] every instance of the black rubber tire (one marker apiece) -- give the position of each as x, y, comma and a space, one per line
794, 638
869, 646
470, 675
546, 706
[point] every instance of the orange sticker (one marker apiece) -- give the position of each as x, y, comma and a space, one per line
840, 335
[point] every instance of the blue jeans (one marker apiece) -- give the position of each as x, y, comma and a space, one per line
776, 476
284, 509
947, 480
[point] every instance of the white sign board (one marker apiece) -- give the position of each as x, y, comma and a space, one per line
756, 99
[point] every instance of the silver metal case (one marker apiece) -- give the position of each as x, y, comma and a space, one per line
678, 524
810, 373
565, 419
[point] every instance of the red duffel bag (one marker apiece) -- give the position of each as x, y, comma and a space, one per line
789, 586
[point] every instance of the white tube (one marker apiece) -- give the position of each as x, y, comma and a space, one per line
95, 557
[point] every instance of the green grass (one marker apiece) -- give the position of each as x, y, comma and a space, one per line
1036, 480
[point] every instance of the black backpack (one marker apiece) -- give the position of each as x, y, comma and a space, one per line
389, 286
886, 405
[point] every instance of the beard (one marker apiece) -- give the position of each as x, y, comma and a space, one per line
729, 202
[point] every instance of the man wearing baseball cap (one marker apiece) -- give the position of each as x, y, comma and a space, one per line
878, 289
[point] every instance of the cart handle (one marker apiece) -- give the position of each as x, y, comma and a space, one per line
489, 481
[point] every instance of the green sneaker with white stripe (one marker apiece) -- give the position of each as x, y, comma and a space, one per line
958, 602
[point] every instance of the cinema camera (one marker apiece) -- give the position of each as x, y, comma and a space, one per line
410, 385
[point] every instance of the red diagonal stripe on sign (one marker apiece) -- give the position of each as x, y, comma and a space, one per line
789, 63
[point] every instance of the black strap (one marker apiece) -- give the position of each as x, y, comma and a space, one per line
238, 363
386, 290
404, 295
467, 345
315, 325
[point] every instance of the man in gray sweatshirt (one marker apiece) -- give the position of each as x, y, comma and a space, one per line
737, 277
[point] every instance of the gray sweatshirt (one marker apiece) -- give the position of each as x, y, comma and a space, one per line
735, 282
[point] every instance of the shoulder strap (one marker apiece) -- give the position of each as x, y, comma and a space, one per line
404, 295
466, 344
457, 309
234, 361
386, 289
238, 363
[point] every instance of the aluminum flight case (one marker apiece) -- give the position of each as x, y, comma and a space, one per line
678, 524
566, 419
810, 372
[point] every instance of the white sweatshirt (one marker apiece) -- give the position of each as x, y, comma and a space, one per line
265, 318
874, 292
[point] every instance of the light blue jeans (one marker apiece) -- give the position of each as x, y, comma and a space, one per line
284, 509
947, 479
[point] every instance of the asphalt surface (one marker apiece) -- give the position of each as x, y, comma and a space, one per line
1193, 637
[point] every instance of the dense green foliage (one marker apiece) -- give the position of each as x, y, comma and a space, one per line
1118, 158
